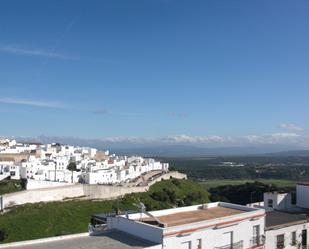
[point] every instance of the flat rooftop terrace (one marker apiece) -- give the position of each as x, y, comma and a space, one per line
279, 219
187, 217
110, 240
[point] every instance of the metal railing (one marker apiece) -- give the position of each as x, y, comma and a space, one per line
237, 245
257, 240
280, 245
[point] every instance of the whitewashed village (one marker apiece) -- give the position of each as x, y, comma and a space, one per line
55, 163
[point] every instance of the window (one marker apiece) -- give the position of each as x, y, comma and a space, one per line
199, 244
186, 245
270, 203
280, 241
228, 238
293, 238
304, 237
256, 235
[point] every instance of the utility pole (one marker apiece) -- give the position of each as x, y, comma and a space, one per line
55, 171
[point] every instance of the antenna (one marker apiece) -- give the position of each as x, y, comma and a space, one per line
142, 208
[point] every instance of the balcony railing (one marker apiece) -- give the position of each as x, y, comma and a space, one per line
237, 245
257, 240
280, 245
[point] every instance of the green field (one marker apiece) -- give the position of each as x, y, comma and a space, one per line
220, 182
41, 220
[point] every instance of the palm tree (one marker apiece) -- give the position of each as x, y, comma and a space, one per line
72, 167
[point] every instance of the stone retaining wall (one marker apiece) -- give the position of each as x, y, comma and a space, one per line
78, 190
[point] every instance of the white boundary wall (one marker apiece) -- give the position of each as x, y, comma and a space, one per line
33, 184
74, 191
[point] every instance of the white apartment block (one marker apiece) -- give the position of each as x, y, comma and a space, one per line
209, 226
286, 230
287, 224
274, 224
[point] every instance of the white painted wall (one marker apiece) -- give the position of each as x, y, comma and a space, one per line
217, 237
138, 229
280, 201
33, 184
212, 233
271, 236
302, 196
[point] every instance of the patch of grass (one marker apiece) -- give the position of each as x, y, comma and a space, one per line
33, 221
10, 186
220, 182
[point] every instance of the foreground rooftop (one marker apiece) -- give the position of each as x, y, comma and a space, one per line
181, 218
109, 240
279, 219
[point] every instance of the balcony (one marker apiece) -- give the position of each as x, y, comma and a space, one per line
237, 245
257, 240
280, 245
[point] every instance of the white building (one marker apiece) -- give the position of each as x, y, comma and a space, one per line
286, 230
104, 176
209, 226
302, 192
50, 161
5, 168
286, 224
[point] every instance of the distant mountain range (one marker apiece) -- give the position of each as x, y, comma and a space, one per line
175, 150
192, 151
289, 153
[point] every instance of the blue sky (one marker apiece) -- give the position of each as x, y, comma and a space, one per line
188, 70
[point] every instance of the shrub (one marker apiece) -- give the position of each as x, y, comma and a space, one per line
3, 235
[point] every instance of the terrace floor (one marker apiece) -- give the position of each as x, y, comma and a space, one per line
182, 218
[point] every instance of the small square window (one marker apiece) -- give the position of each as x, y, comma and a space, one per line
270, 203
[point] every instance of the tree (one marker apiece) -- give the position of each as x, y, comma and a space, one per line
72, 167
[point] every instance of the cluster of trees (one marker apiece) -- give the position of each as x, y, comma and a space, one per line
245, 193
254, 168
245, 172
167, 194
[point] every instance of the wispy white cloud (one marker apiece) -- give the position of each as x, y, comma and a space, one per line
33, 52
34, 103
216, 141
195, 139
290, 126
273, 138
